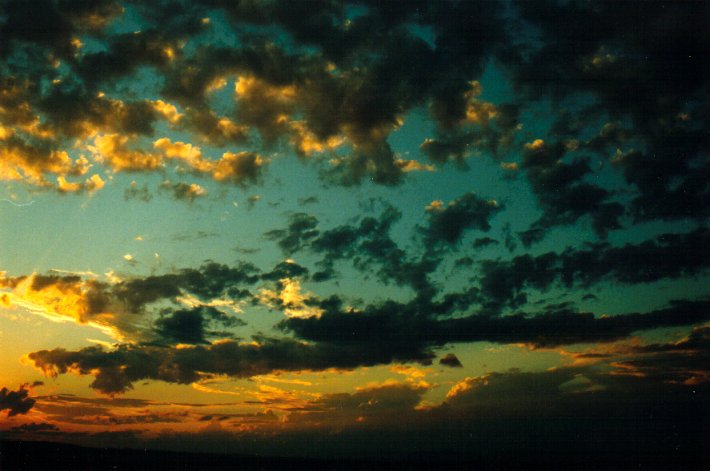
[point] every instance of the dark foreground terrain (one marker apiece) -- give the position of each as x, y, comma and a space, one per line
30, 456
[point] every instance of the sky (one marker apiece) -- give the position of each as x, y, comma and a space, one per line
357, 228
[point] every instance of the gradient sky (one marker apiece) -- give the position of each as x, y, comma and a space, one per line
355, 228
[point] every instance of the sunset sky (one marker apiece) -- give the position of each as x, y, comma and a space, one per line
364, 228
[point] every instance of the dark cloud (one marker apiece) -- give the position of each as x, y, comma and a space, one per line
412, 334
325, 77
308, 200
483, 242
209, 281
123, 306
640, 65
448, 223
312, 74
16, 402
464, 262
75, 112
135, 192
450, 360
668, 256
286, 269
192, 236
191, 326
582, 403
483, 127
563, 194
301, 229
183, 191
252, 200
33, 427
374, 405
213, 129
115, 371
367, 244
55, 28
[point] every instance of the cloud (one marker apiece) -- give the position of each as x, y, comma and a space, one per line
371, 404
367, 243
563, 194
450, 360
116, 370
345, 92
119, 307
190, 326
401, 331
471, 127
33, 427
38, 162
301, 229
135, 192
290, 299
664, 157
484, 242
322, 81
448, 223
668, 256
16, 402
575, 416
113, 150
184, 191
214, 129
66, 409
238, 168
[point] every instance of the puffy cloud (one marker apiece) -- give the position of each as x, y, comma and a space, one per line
113, 150
668, 256
116, 370
214, 129
448, 223
21, 161
306, 143
119, 307
367, 243
65, 298
563, 194
301, 229
135, 192
478, 126
372, 405
168, 111
191, 326
291, 300
240, 167
183, 151
264, 106
60, 23
237, 168
647, 53
320, 83
407, 331
184, 191
91, 184
16, 402
451, 360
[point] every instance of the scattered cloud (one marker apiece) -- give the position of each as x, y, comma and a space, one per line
16, 402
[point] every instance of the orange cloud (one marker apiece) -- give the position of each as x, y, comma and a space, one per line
68, 298
112, 150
